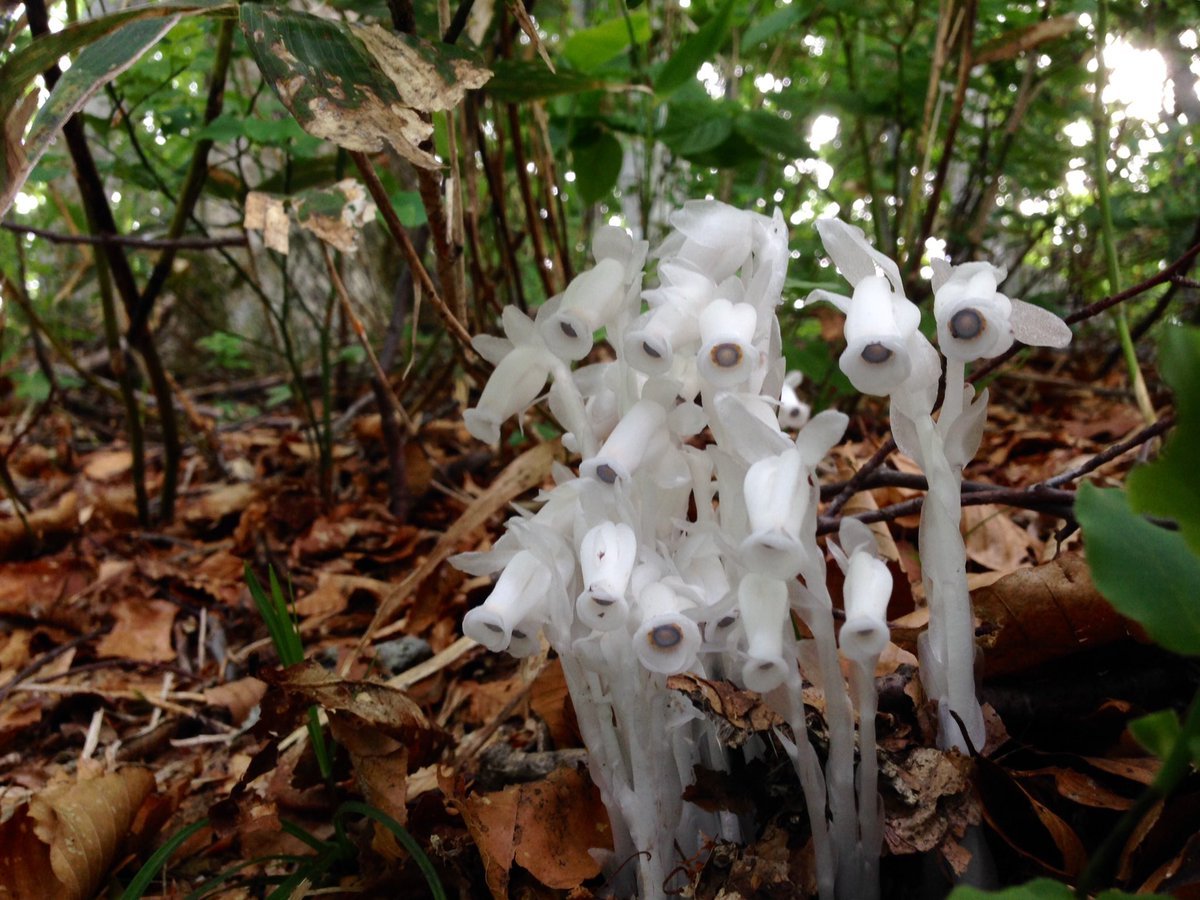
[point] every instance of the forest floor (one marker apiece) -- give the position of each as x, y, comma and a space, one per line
140, 693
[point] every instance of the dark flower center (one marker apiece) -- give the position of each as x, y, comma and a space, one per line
726, 356
666, 636
606, 473
966, 324
876, 353
568, 329
650, 351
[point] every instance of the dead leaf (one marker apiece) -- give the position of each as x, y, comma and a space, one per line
335, 214
370, 704
105, 465
266, 213
80, 827
1026, 824
239, 697
1036, 615
739, 714
220, 501
142, 631
935, 799
546, 826
42, 529
994, 541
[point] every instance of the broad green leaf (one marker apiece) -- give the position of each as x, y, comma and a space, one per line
694, 52
1039, 889
1148, 573
20, 69
597, 163
590, 48
519, 81
111, 45
1170, 486
696, 127
772, 133
1157, 732
769, 26
358, 86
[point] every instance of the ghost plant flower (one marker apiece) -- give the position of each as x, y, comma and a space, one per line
670, 554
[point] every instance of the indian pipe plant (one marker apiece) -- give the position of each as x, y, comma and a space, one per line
664, 554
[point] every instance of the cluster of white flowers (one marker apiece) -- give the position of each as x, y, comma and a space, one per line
687, 540
633, 572
887, 356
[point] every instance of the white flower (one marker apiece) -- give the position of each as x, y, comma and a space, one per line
518, 597
973, 318
793, 412
666, 641
763, 604
513, 386
777, 497
591, 300
878, 328
867, 590
606, 555
880, 321
628, 444
976, 321
727, 352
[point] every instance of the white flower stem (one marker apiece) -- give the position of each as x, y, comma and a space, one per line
870, 810
952, 403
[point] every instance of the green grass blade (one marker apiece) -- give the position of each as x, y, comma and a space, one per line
154, 864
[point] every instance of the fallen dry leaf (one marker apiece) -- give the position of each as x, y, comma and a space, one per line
42, 529
546, 827
738, 714
994, 540
935, 799
65, 842
239, 697
142, 631
1036, 615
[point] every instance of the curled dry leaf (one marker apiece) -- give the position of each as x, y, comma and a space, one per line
42, 529
738, 714
65, 842
1036, 615
239, 697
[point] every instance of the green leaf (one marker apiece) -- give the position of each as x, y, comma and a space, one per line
1170, 486
1157, 732
111, 47
519, 81
769, 26
1148, 573
597, 164
590, 48
694, 52
154, 865
1038, 889
772, 133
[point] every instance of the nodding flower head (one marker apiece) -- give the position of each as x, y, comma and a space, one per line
727, 352
973, 317
606, 556
777, 497
666, 641
517, 600
513, 386
878, 328
763, 603
867, 589
627, 445
793, 412
591, 300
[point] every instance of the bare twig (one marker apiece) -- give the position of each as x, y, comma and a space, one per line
127, 240
416, 267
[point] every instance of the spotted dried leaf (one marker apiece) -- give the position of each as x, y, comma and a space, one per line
739, 714
358, 86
